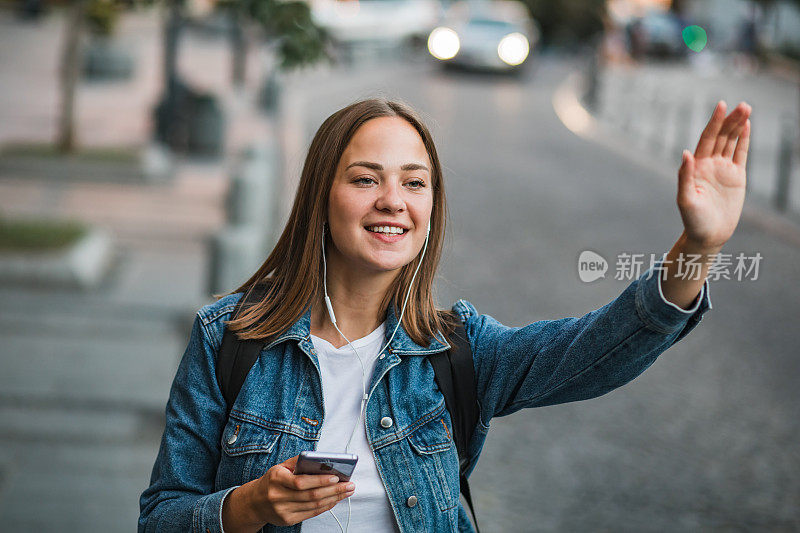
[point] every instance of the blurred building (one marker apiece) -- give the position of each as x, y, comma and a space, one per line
777, 27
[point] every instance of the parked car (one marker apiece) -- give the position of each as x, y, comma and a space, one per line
497, 35
376, 22
656, 34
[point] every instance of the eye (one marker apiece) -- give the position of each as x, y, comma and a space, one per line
417, 184
364, 180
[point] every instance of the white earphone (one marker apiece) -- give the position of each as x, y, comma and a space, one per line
332, 316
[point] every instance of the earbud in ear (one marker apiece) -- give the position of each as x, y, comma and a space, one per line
429, 228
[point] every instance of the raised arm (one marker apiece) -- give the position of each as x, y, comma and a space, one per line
711, 190
558, 361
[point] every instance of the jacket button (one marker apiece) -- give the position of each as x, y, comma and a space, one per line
411, 501
232, 439
386, 422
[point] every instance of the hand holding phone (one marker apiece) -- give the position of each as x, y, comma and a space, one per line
340, 465
281, 497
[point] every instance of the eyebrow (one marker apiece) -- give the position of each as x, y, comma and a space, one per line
377, 166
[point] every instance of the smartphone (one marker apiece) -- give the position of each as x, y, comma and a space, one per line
340, 465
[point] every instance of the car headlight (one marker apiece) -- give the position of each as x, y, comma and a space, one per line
443, 43
513, 48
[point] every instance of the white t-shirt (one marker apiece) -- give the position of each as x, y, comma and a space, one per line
341, 391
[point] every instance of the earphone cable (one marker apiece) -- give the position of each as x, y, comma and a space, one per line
332, 315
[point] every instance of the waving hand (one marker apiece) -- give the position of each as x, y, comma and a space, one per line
711, 182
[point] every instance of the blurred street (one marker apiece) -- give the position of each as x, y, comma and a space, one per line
705, 440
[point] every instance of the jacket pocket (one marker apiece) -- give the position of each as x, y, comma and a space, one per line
247, 449
435, 452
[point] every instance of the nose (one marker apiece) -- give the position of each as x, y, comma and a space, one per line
389, 198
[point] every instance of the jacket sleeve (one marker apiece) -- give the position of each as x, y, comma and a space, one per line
558, 361
181, 494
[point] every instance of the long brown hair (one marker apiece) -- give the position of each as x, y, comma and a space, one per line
293, 270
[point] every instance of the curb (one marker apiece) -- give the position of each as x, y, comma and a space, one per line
576, 118
153, 164
83, 265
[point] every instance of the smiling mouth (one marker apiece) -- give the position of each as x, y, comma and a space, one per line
387, 237
388, 230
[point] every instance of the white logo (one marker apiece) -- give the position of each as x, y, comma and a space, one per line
591, 266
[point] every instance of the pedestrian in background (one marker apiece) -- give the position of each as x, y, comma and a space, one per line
357, 260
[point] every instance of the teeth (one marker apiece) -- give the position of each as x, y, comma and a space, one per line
386, 229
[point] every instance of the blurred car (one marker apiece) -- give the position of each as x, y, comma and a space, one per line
497, 35
656, 34
371, 22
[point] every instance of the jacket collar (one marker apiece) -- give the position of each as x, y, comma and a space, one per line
401, 343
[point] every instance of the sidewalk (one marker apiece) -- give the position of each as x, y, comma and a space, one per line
86, 375
651, 112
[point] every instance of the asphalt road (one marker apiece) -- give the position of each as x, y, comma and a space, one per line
704, 440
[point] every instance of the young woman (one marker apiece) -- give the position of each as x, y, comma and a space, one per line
349, 319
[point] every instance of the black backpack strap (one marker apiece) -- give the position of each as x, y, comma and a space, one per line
236, 357
455, 373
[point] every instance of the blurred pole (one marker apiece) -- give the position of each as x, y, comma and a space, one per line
592, 74
784, 165
70, 67
232, 256
243, 244
270, 93
167, 119
238, 46
171, 37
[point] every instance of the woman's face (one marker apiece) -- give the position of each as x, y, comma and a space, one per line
382, 179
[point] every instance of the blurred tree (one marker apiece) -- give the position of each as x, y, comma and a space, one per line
287, 23
68, 74
102, 16
568, 22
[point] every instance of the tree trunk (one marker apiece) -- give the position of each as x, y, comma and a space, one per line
171, 37
69, 70
238, 46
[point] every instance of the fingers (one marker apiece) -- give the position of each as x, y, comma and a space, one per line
740, 154
287, 498
732, 138
686, 179
291, 511
730, 130
326, 502
306, 482
705, 147
309, 488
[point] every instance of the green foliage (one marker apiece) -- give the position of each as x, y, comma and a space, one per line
300, 41
50, 151
567, 21
102, 16
33, 235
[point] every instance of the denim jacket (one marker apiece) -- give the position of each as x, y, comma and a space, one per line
279, 410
